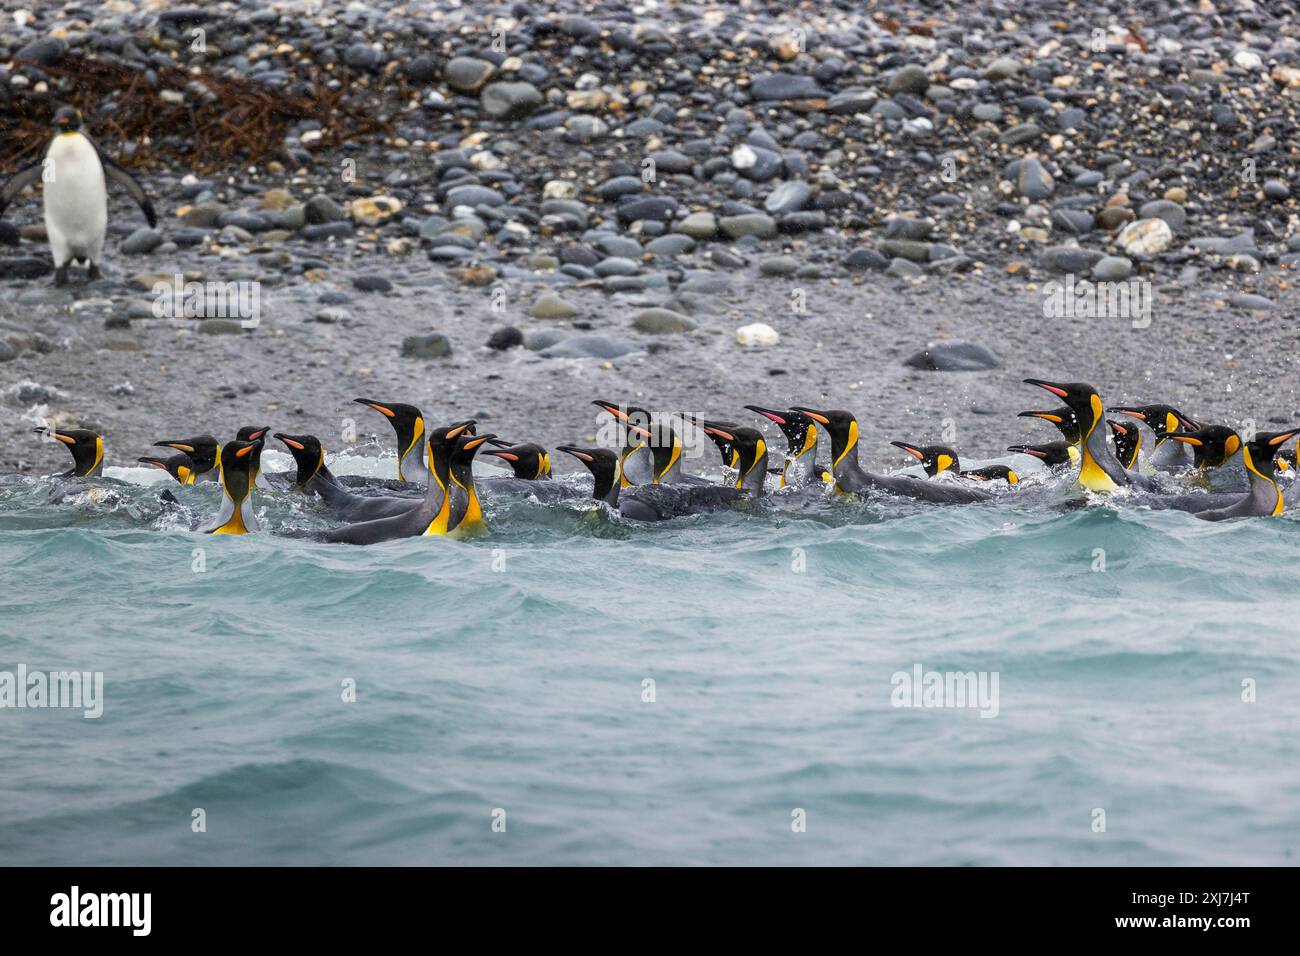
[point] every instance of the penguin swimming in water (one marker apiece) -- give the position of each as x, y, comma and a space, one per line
87, 450
529, 462
76, 200
1264, 498
1064, 420
252, 433
665, 445
852, 478
935, 459
408, 423
993, 473
236, 514
1051, 454
314, 477
1099, 469
800, 467
180, 466
1128, 442
1212, 445
449, 502
1163, 420
635, 461
663, 502
940, 459
204, 452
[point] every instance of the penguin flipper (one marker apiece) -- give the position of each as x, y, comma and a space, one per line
128, 182
28, 176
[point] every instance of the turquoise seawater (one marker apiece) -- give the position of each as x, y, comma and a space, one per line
503, 680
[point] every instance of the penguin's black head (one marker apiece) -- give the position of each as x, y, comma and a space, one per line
1081, 398
936, 459
992, 473
180, 466
86, 447
726, 447
799, 430
67, 120
1161, 419
601, 462
407, 422
839, 424
201, 449
308, 455
1050, 453
1127, 441
236, 461
463, 450
637, 419
749, 446
1259, 454
442, 443
1212, 445
527, 461
1063, 418
253, 432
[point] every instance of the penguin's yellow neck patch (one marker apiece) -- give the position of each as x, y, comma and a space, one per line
235, 525
1091, 474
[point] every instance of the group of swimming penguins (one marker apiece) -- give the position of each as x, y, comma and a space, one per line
436, 492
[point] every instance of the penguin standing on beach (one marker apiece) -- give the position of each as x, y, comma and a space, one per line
76, 198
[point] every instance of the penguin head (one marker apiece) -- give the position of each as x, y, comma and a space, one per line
67, 119
464, 447
839, 424
1161, 419
528, 461
749, 447
441, 445
799, 430
1127, 441
936, 459
255, 433
1081, 398
725, 446
407, 422
179, 466
1212, 445
236, 463
719, 434
1063, 418
637, 419
992, 473
308, 456
1050, 453
201, 449
601, 462
87, 449
1259, 454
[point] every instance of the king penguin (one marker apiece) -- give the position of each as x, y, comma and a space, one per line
236, 514
408, 423
852, 478
204, 452
76, 199
87, 450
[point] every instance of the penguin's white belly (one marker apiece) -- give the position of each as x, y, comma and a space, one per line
76, 200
